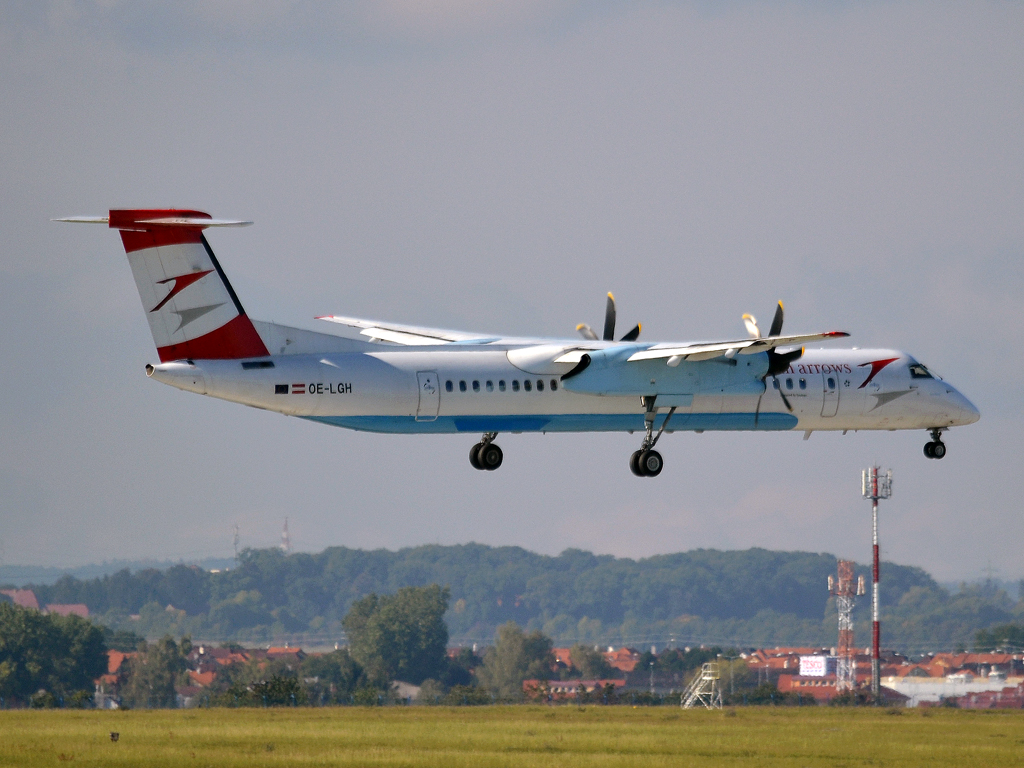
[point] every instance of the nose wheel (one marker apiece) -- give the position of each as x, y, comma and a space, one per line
935, 449
647, 462
485, 454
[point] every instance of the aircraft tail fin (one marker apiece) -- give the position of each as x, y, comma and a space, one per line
192, 309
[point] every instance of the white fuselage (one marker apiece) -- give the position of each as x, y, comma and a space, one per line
448, 389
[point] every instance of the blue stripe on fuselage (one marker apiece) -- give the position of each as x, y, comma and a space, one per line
581, 422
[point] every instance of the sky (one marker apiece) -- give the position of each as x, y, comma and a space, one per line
499, 167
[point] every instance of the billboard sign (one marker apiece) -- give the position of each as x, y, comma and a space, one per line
813, 666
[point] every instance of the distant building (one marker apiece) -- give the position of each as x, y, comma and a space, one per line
935, 690
201, 679
624, 659
25, 598
75, 609
560, 690
289, 654
204, 658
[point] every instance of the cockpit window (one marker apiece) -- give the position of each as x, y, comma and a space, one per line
918, 371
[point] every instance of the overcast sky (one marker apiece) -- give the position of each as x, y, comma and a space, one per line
498, 167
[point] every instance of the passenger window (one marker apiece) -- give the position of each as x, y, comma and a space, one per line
515, 385
789, 383
476, 385
831, 383
803, 383
490, 386
554, 385
448, 386
462, 386
527, 385
501, 384
540, 385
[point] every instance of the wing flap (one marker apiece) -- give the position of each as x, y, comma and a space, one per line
697, 352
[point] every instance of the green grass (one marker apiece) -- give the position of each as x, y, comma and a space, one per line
513, 736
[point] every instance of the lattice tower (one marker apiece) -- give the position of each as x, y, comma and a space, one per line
704, 689
845, 590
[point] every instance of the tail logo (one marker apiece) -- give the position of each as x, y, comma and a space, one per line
179, 283
876, 366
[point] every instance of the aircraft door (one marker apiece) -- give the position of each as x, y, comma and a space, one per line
830, 386
430, 395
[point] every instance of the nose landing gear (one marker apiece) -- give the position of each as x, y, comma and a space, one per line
936, 449
485, 454
647, 462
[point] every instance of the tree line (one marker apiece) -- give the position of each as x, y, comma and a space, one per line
756, 597
51, 660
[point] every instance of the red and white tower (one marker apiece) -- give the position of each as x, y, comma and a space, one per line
875, 484
845, 592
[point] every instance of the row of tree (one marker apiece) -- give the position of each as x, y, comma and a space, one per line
752, 597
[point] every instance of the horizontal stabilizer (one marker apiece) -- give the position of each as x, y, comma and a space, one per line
167, 221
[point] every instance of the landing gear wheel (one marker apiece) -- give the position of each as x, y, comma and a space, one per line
938, 449
634, 463
489, 456
474, 458
650, 463
929, 449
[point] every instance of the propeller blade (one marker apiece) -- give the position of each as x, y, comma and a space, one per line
609, 319
785, 400
579, 368
778, 362
586, 332
633, 335
751, 323
776, 328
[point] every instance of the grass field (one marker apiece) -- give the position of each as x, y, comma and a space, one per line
513, 736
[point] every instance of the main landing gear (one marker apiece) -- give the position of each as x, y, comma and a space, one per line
485, 454
647, 462
936, 449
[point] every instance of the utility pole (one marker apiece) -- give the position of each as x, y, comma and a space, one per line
732, 685
875, 485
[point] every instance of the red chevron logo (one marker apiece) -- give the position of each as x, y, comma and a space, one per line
181, 282
876, 366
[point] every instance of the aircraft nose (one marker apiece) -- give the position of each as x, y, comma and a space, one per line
968, 412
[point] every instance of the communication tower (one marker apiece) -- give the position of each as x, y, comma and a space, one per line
845, 592
235, 543
875, 484
286, 539
704, 689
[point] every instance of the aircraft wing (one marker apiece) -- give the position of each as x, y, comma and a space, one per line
696, 352
409, 335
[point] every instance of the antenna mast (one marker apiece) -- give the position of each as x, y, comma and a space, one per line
875, 484
286, 540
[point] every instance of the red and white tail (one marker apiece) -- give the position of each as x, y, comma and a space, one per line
193, 311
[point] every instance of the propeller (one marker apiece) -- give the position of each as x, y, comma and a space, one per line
609, 326
778, 362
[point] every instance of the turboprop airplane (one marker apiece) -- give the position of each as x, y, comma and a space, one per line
389, 377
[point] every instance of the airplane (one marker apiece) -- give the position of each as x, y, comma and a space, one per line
396, 378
